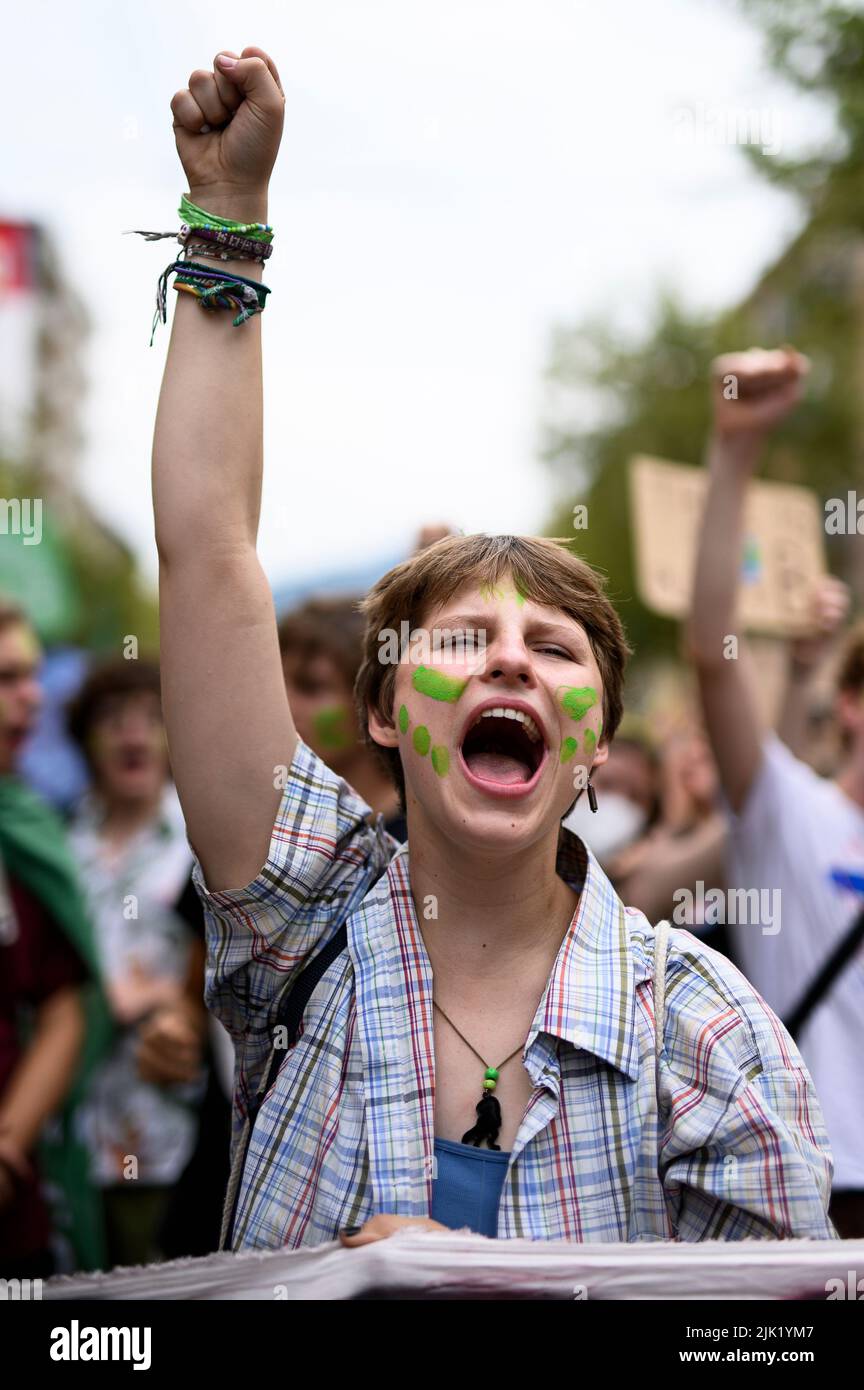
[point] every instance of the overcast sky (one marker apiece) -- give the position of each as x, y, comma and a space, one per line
455, 177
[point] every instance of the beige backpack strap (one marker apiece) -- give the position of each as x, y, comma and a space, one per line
661, 951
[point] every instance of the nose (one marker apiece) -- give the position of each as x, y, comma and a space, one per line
508, 661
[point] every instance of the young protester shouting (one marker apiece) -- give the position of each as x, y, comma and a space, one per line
792, 832
481, 1050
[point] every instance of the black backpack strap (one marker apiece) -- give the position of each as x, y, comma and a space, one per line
294, 1000
289, 1014
816, 992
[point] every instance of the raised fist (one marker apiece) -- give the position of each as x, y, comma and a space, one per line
753, 391
228, 124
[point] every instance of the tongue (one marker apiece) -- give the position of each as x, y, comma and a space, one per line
498, 767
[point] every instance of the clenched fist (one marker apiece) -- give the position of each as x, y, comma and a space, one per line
753, 391
228, 126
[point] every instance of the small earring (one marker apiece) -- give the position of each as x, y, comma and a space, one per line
592, 797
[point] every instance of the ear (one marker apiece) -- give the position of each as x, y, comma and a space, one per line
383, 731
601, 754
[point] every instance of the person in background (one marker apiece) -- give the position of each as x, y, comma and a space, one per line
628, 796
795, 837
129, 841
321, 643
807, 724
51, 1024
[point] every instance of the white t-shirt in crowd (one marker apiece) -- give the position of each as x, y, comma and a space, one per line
799, 833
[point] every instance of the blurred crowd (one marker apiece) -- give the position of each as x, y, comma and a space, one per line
115, 1084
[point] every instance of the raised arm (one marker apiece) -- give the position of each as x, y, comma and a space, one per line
752, 391
227, 716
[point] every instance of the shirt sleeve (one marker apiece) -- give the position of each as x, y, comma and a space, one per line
323, 858
744, 1152
780, 779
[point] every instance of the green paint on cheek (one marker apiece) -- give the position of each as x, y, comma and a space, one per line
440, 760
590, 742
576, 700
568, 748
403, 719
331, 727
436, 685
422, 740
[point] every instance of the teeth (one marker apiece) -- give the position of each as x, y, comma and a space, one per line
524, 719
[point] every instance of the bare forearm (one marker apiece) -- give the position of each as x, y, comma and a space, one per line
43, 1076
715, 584
207, 445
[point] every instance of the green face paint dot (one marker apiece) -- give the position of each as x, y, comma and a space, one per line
568, 748
403, 719
520, 596
590, 742
576, 700
440, 760
331, 727
436, 685
422, 740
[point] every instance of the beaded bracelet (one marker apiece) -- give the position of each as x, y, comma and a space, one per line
196, 217
206, 249
230, 241
250, 241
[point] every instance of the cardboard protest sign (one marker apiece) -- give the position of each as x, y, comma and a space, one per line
782, 554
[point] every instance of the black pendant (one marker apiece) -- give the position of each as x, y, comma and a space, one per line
488, 1123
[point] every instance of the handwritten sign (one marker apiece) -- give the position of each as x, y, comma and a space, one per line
782, 551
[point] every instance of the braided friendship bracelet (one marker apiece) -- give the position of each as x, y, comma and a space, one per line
205, 248
261, 250
200, 234
213, 291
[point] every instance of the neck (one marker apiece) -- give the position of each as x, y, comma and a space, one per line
122, 819
492, 909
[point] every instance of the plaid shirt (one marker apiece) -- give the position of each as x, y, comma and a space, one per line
737, 1150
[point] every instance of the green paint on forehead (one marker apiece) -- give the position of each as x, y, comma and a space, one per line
331, 727
576, 700
440, 760
404, 721
590, 742
422, 740
490, 591
500, 591
436, 685
568, 748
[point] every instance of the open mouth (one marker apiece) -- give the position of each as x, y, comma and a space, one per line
504, 745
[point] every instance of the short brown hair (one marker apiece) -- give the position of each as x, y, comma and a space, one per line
12, 614
541, 568
104, 682
331, 627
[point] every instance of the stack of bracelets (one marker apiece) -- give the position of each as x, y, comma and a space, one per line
202, 234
